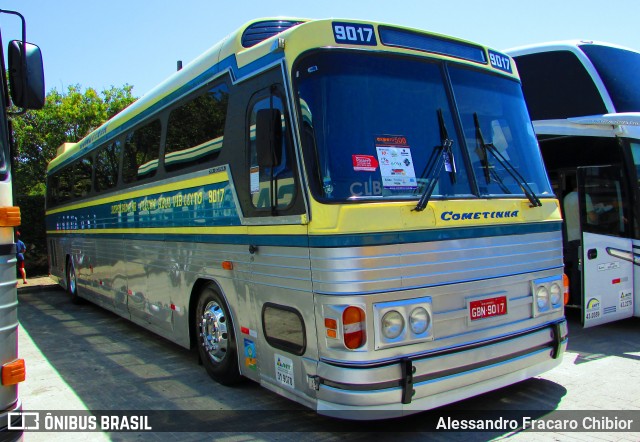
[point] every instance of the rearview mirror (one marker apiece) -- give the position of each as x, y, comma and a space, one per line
26, 75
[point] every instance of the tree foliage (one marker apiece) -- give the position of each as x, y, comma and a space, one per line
65, 118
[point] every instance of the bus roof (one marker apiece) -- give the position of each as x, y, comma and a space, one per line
254, 46
567, 45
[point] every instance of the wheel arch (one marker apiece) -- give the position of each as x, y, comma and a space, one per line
197, 288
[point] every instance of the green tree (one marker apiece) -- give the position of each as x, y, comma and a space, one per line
65, 118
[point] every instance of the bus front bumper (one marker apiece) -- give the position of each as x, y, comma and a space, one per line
425, 382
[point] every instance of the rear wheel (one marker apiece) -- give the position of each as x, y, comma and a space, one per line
216, 339
72, 282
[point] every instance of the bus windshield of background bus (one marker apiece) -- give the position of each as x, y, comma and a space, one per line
370, 127
618, 69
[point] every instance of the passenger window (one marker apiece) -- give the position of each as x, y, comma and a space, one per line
195, 130
82, 182
271, 186
107, 161
141, 149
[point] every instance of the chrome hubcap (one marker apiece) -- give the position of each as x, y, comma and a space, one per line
213, 329
72, 279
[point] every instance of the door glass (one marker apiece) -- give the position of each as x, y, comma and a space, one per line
271, 185
603, 203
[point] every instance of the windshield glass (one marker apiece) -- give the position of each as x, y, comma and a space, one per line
618, 69
503, 121
371, 125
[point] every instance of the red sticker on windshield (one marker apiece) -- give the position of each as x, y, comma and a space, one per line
364, 163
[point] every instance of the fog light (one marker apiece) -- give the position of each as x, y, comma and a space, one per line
392, 324
419, 320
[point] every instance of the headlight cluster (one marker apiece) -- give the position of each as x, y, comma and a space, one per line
548, 295
403, 322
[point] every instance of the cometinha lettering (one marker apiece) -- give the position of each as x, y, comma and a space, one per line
462, 216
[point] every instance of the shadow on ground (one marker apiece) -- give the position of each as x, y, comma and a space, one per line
112, 364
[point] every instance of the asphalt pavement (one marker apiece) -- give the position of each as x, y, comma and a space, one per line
84, 358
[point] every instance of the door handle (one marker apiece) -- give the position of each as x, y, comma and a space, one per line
253, 249
592, 253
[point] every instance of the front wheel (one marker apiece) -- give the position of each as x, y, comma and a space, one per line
72, 282
216, 339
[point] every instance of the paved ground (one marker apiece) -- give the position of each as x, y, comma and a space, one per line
86, 358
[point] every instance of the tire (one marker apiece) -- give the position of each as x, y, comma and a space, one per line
217, 345
72, 282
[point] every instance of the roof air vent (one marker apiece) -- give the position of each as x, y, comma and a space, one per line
262, 30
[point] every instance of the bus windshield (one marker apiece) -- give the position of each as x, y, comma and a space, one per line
618, 69
372, 126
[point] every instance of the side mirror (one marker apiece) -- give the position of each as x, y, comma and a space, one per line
26, 75
269, 137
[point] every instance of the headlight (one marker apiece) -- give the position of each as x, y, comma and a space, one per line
419, 320
555, 293
542, 298
392, 324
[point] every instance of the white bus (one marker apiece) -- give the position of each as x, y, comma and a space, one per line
353, 214
584, 98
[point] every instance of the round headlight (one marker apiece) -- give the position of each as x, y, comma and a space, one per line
555, 293
542, 296
419, 320
392, 324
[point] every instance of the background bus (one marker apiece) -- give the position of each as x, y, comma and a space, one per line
27, 92
354, 215
584, 98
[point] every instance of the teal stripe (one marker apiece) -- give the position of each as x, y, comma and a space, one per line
337, 241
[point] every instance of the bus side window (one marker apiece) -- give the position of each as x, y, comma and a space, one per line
195, 130
106, 167
141, 150
263, 194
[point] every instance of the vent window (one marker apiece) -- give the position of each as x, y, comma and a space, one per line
262, 30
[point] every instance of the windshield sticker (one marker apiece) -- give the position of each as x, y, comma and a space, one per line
396, 163
254, 179
500, 61
364, 163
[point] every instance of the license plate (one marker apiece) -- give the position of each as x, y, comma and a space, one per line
487, 308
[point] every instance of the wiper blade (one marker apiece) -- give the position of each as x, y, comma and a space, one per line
440, 156
488, 172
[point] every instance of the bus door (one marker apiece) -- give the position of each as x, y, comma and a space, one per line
607, 250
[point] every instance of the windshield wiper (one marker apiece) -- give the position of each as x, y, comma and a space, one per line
489, 172
440, 156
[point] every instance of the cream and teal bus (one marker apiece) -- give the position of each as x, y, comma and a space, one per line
355, 215
584, 99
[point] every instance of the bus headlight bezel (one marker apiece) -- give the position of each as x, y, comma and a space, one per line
417, 322
547, 295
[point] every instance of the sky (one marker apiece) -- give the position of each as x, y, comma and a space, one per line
104, 43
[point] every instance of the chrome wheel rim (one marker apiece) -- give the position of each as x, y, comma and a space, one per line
213, 330
72, 279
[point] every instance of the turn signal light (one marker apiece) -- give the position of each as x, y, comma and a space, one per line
227, 265
13, 372
9, 216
